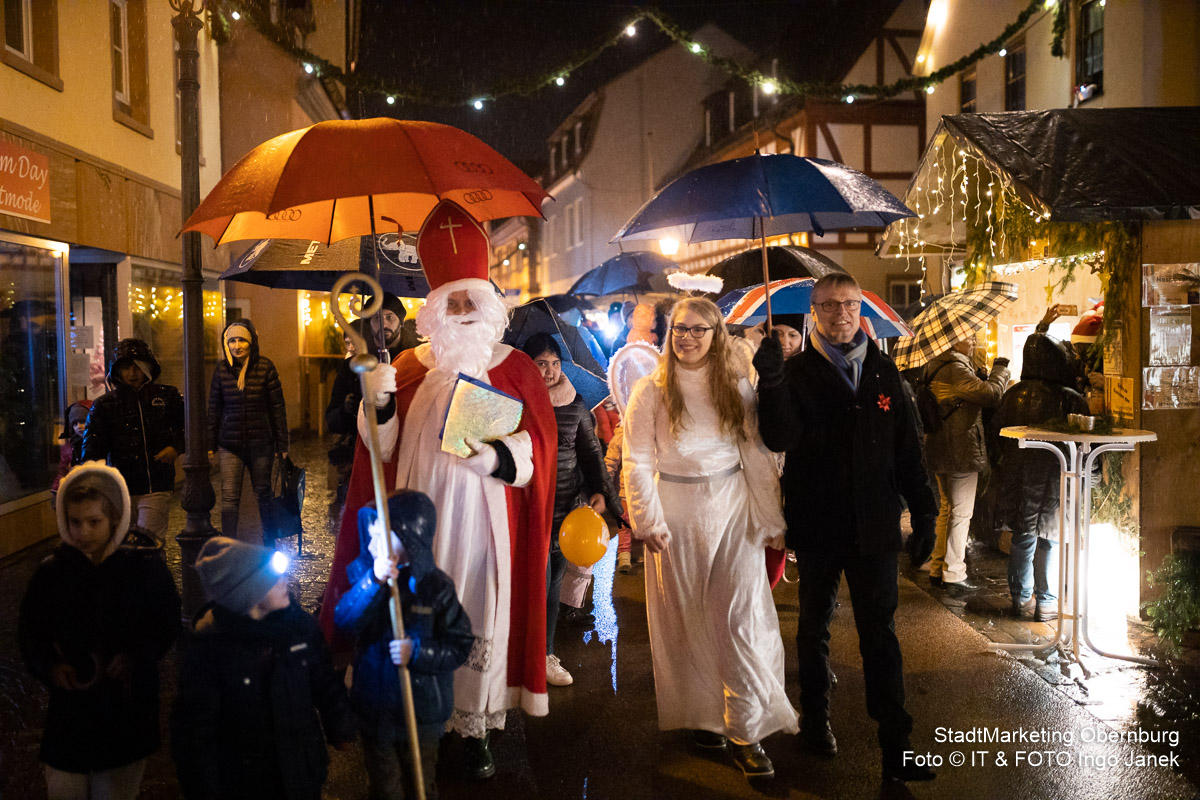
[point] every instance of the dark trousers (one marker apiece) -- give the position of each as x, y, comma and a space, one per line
233, 470
389, 765
556, 567
873, 596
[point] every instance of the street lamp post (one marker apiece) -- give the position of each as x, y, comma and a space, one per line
197, 496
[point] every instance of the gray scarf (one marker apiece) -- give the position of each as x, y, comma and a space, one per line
848, 358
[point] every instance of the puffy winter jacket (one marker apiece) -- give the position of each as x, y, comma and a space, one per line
433, 619
959, 446
127, 427
1026, 481
580, 461
250, 421
244, 724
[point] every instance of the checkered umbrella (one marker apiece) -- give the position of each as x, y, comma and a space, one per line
949, 319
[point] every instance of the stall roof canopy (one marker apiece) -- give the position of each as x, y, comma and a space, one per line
1064, 164
1095, 164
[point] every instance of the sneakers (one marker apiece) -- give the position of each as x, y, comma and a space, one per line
752, 760
477, 757
818, 738
707, 740
1046, 613
624, 563
555, 674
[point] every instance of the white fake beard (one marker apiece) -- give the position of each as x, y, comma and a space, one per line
464, 343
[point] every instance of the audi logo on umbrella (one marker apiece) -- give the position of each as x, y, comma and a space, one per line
285, 215
480, 196
474, 166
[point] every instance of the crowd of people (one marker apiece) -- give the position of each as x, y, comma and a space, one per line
807, 440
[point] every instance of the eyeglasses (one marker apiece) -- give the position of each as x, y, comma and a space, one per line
697, 331
830, 306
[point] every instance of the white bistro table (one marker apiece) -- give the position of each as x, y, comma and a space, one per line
1074, 521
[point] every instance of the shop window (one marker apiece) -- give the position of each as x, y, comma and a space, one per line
29, 369
31, 39
966, 92
1014, 78
1089, 61
128, 46
903, 291
156, 305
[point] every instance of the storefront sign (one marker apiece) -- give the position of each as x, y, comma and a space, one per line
24, 183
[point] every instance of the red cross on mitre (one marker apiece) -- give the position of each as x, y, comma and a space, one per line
452, 246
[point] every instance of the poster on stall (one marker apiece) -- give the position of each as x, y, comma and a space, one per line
1118, 398
1170, 336
1114, 351
1170, 387
1170, 284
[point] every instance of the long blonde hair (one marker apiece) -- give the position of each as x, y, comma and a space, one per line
723, 379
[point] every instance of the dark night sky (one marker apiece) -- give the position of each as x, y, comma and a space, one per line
463, 46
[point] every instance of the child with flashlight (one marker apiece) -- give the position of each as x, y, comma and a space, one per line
437, 641
251, 684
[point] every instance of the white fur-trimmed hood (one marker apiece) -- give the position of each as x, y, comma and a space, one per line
108, 482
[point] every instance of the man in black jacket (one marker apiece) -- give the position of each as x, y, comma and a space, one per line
138, 428
840, 413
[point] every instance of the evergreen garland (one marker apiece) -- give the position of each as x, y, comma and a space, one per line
284, 36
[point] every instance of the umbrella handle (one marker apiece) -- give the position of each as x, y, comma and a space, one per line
762, 238
363, 363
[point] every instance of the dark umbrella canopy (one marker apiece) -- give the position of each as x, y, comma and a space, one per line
579, 365
745, 269
636, 271
310, 265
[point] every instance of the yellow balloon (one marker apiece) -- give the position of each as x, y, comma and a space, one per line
583, 537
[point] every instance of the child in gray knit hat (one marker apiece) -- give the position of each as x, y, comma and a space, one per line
252, 682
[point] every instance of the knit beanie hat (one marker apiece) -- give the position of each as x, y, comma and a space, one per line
237, 575
791, 320
237, 331
392, 303
1088, 327
106, 480
77, 412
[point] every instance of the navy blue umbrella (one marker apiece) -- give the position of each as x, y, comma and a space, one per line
313, 266
637, 271
578, 364
764, 195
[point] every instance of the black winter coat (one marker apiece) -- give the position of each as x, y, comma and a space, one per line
244, 724
850, 456
127, 427
74, 609
580, 461
341, 415
252, 421
1026, 481
433, 618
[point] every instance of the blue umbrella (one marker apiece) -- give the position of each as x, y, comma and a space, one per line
758, 196
585, 374
637, 271
304, 264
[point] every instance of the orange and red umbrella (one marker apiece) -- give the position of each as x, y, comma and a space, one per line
345, 178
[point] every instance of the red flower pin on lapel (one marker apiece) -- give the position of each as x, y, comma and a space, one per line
885, 402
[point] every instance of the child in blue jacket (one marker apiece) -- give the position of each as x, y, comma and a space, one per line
438, 641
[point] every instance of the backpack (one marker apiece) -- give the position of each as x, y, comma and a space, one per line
927, 403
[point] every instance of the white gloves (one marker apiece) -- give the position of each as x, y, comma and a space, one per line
485, 460
656, 542
379, 385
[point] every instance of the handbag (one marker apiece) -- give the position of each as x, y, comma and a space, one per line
287, 490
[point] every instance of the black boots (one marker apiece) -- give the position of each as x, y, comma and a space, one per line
707, 740
817, 737
477, 756
752, 760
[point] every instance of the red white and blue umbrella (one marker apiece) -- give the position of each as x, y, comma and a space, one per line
794, 296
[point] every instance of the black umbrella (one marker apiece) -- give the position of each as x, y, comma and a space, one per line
633, 271
579, 365
310, 265
745, 269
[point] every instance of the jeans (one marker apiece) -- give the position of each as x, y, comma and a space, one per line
953, 523
873, 596
119, 783
389, 765
233, 470
1033, 560
556, 566
151, 512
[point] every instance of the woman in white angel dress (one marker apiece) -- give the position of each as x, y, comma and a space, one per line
703, 495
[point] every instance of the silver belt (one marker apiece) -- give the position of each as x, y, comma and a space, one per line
725, 473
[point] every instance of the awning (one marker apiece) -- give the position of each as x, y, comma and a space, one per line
1072, 164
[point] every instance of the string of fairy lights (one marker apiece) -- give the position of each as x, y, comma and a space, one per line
226, 13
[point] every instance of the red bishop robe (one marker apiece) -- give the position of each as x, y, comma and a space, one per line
530, 511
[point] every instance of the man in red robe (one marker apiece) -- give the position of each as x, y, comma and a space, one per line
494, 507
